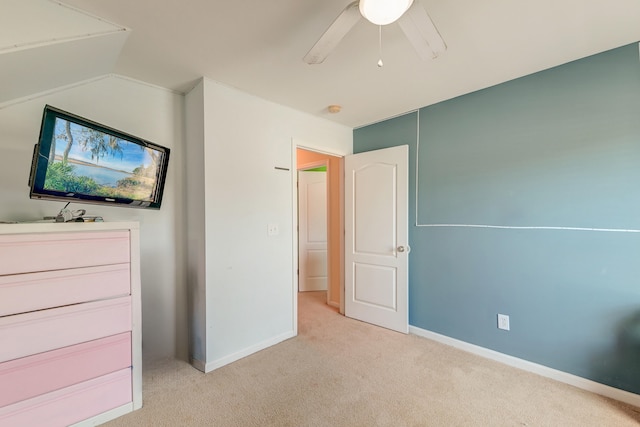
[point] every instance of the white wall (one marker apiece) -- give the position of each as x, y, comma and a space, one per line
248, 282
251, 298
142, 110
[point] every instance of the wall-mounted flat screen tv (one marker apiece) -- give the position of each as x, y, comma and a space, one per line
79, 160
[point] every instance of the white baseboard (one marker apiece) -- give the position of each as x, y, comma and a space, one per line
554, 374
215, 364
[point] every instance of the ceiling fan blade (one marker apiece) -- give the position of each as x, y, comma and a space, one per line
422, 32
336, 32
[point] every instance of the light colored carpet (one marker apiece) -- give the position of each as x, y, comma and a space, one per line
341, 372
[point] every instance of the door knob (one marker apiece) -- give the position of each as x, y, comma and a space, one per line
403, 249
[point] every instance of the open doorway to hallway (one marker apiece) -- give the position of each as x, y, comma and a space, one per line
307, 159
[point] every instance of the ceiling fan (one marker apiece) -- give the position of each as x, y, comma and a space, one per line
412, 18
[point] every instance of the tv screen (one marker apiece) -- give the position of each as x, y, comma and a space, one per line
76, 159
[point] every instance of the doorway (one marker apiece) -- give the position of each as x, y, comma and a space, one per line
308, 159
378, 172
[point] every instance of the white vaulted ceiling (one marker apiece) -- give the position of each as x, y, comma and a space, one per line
45, 45
258, 46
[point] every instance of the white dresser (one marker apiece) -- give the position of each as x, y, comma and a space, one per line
70, 323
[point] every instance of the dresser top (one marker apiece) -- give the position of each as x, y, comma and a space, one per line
64, 227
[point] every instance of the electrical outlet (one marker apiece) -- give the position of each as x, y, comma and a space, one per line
273, 230
503, 322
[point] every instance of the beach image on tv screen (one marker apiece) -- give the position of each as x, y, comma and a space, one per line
87, 161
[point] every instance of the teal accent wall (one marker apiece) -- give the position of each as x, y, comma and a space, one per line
528, 204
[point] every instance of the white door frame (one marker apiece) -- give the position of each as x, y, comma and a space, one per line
294, 226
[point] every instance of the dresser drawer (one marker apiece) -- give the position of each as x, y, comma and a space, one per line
31, 376
72, 404
36, 332
26, 253
21, 293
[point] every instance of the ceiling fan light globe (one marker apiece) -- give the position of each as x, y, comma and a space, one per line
383, 12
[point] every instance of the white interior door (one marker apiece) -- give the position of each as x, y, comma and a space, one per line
312, 235
376, 237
